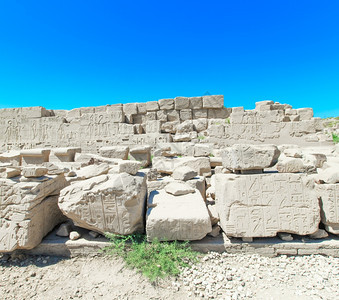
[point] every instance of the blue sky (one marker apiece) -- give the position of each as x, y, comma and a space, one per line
66, 54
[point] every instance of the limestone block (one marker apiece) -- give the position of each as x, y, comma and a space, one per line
64, 229
178, 188
167, 104
130, 109
200, 164
213, 212
164, 165
158, 184
202, 150
141, 154
86, 110
28, 211
218, 113
216, 162
9, 172
200, 125
182, 137
195, 102
171, 217
185, 114
34, 156
151, 116
185, 127
141, 108
249, 157
272, 116
92, 171
53, 169
126, 128
129, 119
316, 159
34, 112
162, 115
294, 165
184, 173
181, 103
33, 171
263, 205
216, 130
116, 113
198, 183
114, 152
153, 126
152, 106
239, 109
199, 113
293, 152
130, 167
63, 154
173, 115
263, 103
170, 127
12, 157
305, 113
329, 203
290, 112
74, 113
329, 175
107, 203
215, 101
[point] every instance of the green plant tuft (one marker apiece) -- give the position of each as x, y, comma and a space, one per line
335, 138
227, 121
156, 259
201, 137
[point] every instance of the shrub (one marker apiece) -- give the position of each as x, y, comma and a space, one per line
156, 259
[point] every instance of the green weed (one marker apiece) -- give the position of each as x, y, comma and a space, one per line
201, 137
227, 121
156, 259
335, 138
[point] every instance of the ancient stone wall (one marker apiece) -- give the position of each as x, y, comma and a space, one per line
183, 119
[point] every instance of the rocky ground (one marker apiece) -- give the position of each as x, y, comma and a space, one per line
217, 276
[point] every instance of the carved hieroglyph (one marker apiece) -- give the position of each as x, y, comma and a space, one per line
262, 205
106, 203
172, 217
329, 197
28, 211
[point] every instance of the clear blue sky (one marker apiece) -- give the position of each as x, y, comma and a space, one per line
65, 54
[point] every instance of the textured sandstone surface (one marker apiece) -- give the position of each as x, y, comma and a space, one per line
106, 203
172, 217
263, 205
28, 211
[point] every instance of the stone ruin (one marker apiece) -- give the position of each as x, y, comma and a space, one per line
177, 169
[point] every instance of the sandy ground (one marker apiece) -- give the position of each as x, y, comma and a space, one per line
102, 277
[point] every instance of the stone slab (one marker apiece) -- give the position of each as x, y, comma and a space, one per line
263, 205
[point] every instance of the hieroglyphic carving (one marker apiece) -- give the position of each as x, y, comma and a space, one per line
262, 205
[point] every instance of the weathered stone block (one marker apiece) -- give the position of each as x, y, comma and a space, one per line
215, 101
249, 157
27, 213
185, 114
218, 113
152, 106
195, 102
12, 157
305, 113
141, 154
173, 115
114, 152
130, 167
167, 104
263, 205
34, 156
178, 188
63, 154
184, 173
181, 103
199, 113
177, 217
33, 171
329, 203
107, 203
151, 116
141, 107
162, 115
130, 108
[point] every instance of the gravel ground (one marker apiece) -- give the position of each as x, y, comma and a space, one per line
217, 276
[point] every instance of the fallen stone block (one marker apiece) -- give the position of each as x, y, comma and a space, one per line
32, 172
328, 195
184, 173
141, 154
130, 167
9, 172
63, 154
92, 171
329, 175
106, 203
178, 188
176, 217
28, 211
241, 157
295, 165
319, 234
263, 205
200, 164
34, 156
12, 157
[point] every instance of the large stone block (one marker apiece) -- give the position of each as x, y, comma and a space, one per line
167, 104
172, 217
107, 203
329, 198
249, 157
263, 205
28, 211
12, 157
181, 103
114, 152
130, 109
141, 154
34, 156
63, 154
215, 101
